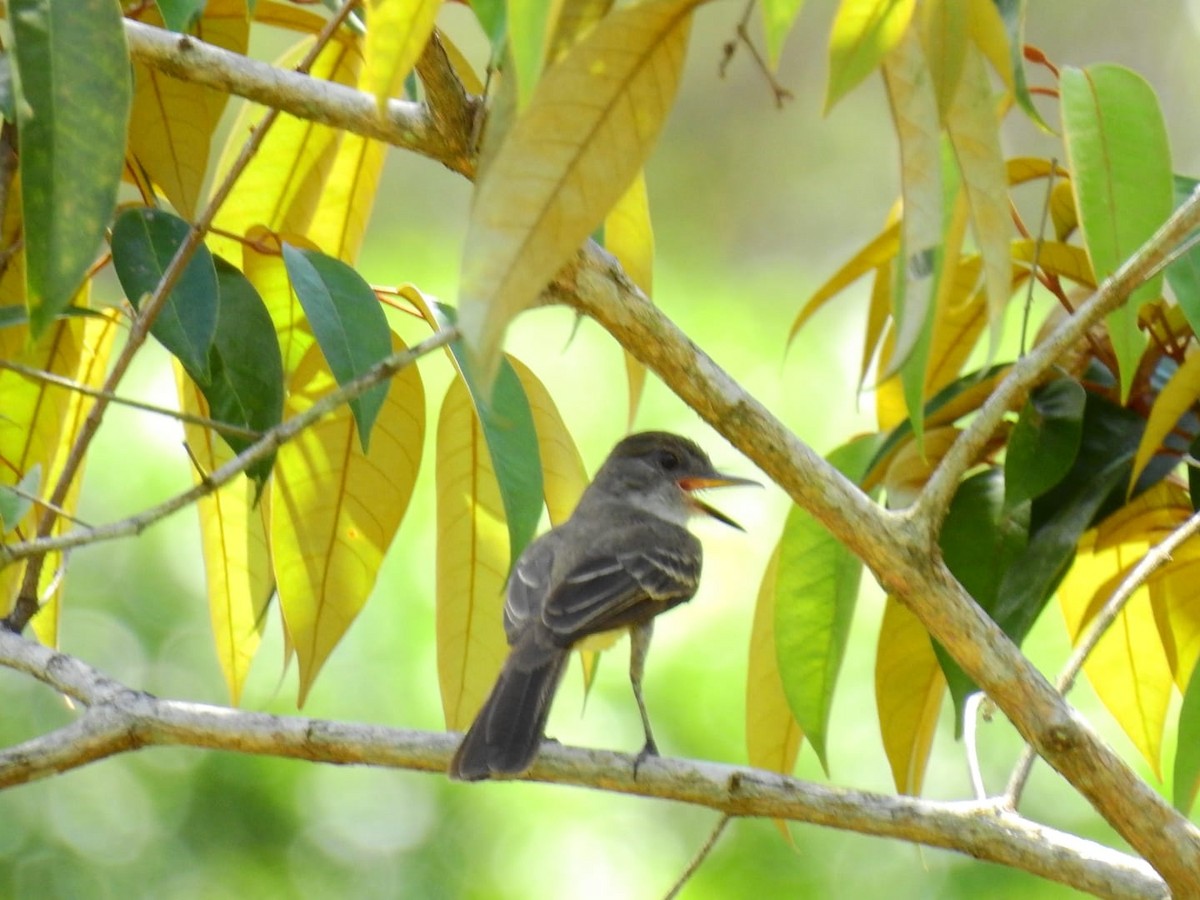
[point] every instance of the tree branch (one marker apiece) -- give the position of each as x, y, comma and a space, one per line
896, 546
407, 125
117, 719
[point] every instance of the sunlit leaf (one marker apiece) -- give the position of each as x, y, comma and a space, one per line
778, 18
629, 236
1121, 172
472, 561
144, 241
566, 160
1065, 260
1044, 442
397, 32
1173, 401
348, 323
69, 184
863, 32
909, 686
960, 318
1063, 213
1128, 668
571, 20
172, 122
882, 248
527, 39
233, 542
772, 735
942, 26
508, 431
263, 265
816, 589
335, 510
1187, 754
989, 33
973, 126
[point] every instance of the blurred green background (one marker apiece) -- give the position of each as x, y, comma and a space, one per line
753, 207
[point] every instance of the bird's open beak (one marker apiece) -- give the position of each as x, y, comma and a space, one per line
692, 484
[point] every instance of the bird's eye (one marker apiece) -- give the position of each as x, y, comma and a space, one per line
669, 460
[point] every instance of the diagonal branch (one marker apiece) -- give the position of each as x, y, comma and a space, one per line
118, 720
897, 549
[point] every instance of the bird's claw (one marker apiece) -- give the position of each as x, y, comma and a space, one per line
651, 749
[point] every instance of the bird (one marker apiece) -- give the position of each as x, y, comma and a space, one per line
624, 557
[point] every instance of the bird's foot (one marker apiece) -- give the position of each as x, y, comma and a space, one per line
651, 749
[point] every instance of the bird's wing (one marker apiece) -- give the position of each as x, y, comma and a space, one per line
623, 582
528, 583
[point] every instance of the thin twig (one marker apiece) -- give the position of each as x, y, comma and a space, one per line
782, 94
27, 603
80, 388
1158, 556
256, 452
971, 744
1037, 252
699, 858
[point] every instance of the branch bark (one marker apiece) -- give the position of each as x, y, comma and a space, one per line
117, 719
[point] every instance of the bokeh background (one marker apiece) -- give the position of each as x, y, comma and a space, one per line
753, 207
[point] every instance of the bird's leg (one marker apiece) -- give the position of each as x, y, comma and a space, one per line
639, 645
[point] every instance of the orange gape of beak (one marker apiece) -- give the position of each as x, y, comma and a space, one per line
692, 484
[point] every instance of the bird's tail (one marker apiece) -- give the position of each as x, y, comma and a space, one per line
504, 738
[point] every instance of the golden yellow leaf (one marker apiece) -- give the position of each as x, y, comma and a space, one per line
397, 32
287, 15
882, 249
567, 159
943, 32
281, 188
1063, 212
990, 35
233, 542
262, 263
1064, 260
879, 313
912, 464
172, 122
863, 32
1023, 169
909, 686
462, 67
348, 197
973, 127
1176, 398
472, 561
1174, 587
335, 510
958, 321
629, 236
571, 19
1128, 668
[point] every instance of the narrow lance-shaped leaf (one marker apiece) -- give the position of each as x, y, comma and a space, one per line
397, 32
863, 32
1174, 400
629, 236
1043, 445
348, 322
334, 510
566, 160
815, 594
1121, 171
778, 18
144, 241
72, 122
508, 431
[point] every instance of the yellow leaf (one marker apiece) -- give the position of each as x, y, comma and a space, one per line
565, 161
943, 32
1149, 517
1175, 586
878, 314
262, 263
629, 236
172, 123
289, 16
1023, 169
909, 686
1175, 399
281, 188
397, 32
914, 462
472, 561
882, 249
991, 37
348, 197
1065, 260
1128, 667
334, 511
772, 735
233, 541
973, 127
462, 67
571, 20
958, 321
1063, 213
863, 32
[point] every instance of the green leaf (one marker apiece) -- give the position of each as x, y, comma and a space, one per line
816, 590
778, 18
14, 506
508, 429
1043, 445
493, 19
863, 32
1183, 275
346, 320
144, 241
179, 15
246, 388
1013, 14
1121, 171
1093, 487
73, 97
980, 540
1187, 754
527, 21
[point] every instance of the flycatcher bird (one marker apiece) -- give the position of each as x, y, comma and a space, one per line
623, 557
